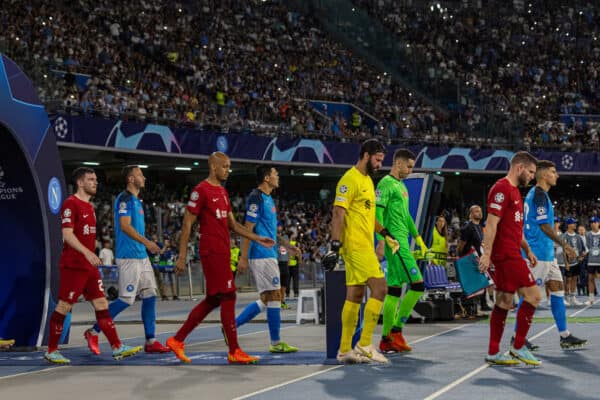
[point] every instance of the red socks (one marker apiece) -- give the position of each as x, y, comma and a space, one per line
196, 316
56, 330
228, 321
107, 326
524, 317
497, 321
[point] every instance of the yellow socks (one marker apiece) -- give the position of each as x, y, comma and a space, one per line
372, 312
349, 320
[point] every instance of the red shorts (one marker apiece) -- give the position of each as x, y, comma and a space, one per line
512, 274
75, 282
217, 272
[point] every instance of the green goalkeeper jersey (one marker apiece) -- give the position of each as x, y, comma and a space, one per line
392, 208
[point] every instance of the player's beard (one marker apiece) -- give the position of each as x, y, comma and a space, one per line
371, 170
522, 179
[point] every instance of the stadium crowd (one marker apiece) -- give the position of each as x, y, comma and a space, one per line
250, 66
533, 60
242, 66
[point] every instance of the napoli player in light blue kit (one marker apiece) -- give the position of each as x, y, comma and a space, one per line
261, 218
136, 276
539, 233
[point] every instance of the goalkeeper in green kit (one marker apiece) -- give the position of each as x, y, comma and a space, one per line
393, 213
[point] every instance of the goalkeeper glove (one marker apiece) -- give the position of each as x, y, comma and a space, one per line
330, 261
390, 240
424, 250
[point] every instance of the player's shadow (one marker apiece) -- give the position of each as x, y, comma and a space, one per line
533, 382
574, 361
378, 381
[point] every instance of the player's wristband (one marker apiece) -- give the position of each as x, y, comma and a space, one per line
335, 245
384, 232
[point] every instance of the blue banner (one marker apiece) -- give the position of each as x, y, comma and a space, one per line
195, 142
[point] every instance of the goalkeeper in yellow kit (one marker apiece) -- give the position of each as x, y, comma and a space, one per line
393, 212
352, 230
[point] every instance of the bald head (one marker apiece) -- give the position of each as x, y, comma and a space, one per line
219, 166
217, 157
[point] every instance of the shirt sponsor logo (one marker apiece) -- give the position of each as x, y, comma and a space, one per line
518, 216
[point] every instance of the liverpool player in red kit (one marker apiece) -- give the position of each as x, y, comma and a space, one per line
79, 269
209, 204
502, 244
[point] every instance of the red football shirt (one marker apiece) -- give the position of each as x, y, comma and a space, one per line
211, 205
80, 216
504, 201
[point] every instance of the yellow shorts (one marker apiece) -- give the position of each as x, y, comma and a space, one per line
361, 266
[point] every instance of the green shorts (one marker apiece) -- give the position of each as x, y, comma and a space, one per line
401, 267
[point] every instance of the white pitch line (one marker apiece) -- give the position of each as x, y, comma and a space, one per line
45, 369
460, 380
301, 378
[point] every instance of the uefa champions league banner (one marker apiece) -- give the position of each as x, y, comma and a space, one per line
130, 136
32, 189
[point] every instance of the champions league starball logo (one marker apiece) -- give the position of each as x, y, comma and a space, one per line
567, 161
61, 127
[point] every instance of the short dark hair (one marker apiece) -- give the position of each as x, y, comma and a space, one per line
126, 171
404, 154
80, 173
545, 164
371, 146
263, 171
523, 157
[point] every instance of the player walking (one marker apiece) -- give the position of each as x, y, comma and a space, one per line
540, 235
209, 204
502, 245
136, 276
79, 269
352, 230
393, 212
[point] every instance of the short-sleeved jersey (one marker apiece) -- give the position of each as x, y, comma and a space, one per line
356, 193
593, 244
78, 215
128, 205
538, 211
392, 208
261, 211
504, 201
211, 205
